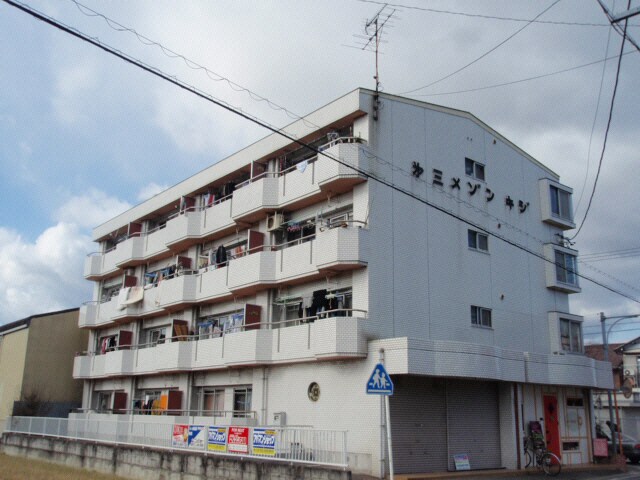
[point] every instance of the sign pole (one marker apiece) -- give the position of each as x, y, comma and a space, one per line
380, 383
386, 407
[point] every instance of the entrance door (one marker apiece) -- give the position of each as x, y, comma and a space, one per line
552, 434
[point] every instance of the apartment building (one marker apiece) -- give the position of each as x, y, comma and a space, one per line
264, 289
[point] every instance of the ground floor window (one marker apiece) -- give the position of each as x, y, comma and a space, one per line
211, 401
242, 402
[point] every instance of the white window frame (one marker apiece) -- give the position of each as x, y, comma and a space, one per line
561, 274
476, 171
566, 267
561, 205
475, 241
556, 205
481, 317
568, 339
218, 394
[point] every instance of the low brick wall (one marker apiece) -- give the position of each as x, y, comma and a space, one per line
159, 464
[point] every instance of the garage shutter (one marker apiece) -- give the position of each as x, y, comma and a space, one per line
433, 419
473, 423
418, 425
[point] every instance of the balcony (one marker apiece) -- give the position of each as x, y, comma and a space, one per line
331, 338
252, 272
100, 265
176, 291
340, 177
168, 356
342, 248
254, 198
217, 219
183, 229
116, 363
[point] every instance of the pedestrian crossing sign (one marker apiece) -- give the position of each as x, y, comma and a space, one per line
379, 382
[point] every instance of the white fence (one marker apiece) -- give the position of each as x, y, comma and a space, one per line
325, 447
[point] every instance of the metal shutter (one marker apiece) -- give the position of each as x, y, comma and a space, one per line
418, 424
473, 423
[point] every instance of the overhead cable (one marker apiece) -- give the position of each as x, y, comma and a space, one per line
484, 54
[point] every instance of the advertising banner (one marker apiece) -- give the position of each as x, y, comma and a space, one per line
264, 441
180, 436
197, 436
217, 439
238, 440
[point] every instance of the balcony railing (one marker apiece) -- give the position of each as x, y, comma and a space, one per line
297, 186
330, 335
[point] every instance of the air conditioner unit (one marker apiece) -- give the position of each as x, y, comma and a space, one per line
274, 221
629, 372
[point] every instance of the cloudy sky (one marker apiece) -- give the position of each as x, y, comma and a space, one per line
84, 135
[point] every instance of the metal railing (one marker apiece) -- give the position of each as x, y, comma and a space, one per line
305, 445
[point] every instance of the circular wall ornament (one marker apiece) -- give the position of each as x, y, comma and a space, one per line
313, 392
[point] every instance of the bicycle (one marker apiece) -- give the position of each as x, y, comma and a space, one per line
537, 453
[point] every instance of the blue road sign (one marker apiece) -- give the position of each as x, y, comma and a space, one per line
379, 382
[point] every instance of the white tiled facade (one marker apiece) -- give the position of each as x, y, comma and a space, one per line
442, 299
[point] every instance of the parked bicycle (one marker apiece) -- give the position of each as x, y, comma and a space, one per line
536, 454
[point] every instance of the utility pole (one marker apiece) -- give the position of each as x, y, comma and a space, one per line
615, 20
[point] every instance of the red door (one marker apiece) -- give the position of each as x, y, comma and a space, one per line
551, 433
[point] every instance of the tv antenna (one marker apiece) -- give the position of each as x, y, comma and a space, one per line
373, 29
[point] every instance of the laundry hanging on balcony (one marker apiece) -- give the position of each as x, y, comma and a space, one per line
129, 296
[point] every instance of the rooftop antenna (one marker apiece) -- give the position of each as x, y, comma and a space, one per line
372, 39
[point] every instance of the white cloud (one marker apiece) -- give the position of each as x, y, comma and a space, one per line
150, 190
42, 276
47, 274
91, 209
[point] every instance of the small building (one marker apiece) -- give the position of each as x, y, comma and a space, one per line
36, 362
625, 362
264, 290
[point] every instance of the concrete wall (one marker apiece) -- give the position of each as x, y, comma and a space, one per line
156, 464
53, 342
13, 350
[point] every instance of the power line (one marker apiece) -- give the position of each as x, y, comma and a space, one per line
513, 82
216, 77
489, 17
606, 132
593, 125
174, 81
485, 53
